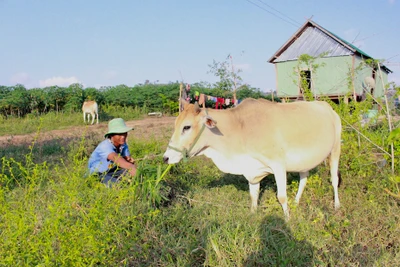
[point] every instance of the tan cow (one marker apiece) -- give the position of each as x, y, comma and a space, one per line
259, 137
91, 109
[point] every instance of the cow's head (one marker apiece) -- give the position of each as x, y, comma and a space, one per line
187, 140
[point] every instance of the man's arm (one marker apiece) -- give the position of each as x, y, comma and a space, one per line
122, 163
129, 159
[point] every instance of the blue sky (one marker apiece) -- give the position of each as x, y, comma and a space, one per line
106, 43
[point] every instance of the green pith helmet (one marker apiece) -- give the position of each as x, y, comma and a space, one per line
117, 126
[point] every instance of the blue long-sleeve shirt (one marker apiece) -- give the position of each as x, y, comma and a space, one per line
98, 161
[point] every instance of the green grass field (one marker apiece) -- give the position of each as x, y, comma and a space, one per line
62, 120
194, 216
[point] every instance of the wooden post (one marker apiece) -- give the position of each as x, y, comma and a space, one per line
180, 97
352, 79
312, 88
234, 82
388, 114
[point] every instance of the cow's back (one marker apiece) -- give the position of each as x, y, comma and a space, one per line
299, 134
90, 106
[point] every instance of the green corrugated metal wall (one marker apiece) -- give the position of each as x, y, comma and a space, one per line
330, 79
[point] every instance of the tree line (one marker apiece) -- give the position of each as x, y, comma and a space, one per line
17, 101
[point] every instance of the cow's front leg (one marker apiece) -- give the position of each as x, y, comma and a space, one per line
280, 178
254, 193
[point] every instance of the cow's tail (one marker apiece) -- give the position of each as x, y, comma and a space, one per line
340, 178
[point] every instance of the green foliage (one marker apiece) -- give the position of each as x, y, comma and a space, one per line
16, 101
229, 78
373, 63
304, 71
169, 106
58, 217
247, 92
394, 136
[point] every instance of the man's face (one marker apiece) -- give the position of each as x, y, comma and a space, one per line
119, 139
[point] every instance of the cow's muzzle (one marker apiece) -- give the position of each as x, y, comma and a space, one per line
166, 159
185, 152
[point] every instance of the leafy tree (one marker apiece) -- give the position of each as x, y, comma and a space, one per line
37, 100
74, 97
92, 93
229, 78
4, 108
55, 98
17, 100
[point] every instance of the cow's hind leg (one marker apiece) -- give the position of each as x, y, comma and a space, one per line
92, 114
334, 161
302, 185
254, 193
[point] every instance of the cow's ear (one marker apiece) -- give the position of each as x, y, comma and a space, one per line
209, 122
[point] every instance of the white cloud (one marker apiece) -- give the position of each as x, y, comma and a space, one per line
60, 81
21, 78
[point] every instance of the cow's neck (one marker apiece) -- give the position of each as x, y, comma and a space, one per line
226, 123
225, 146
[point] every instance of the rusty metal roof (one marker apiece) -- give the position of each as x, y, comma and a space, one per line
312, 39
313, 42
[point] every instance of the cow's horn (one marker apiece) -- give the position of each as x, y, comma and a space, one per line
196, 107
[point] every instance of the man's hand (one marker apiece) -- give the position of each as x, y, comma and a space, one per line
132, 171
125, 162
129, 159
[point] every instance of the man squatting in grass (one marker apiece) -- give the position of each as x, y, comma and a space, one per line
111, 159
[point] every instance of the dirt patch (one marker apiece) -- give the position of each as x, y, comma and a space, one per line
150, 126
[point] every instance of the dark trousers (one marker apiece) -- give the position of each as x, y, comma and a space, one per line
112, 176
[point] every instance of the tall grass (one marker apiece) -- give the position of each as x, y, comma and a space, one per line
56, 216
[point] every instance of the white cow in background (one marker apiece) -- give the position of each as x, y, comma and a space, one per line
91, 109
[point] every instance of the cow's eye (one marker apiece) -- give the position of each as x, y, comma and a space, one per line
185, 128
